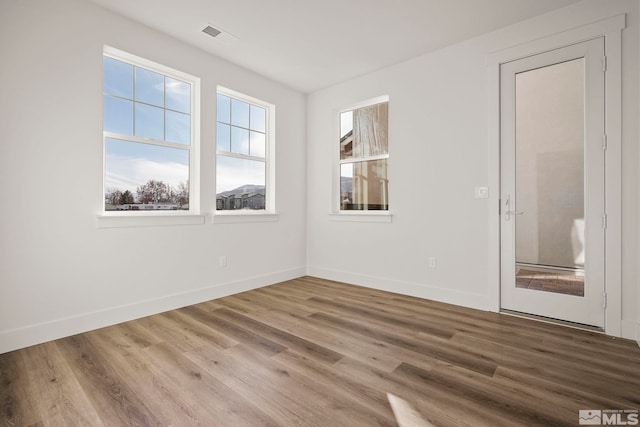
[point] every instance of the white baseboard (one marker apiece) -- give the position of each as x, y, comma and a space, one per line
465, 299
631, 330
42, 332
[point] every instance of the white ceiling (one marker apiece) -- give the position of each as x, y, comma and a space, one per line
312, 44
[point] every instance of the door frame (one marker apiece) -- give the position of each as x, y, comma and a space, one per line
586, 309
611, 30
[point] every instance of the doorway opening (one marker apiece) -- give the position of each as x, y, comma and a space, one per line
552, 184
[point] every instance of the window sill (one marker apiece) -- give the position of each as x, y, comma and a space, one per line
237, 218
361, 217
118, 221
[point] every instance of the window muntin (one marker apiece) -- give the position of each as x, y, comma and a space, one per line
364, 154
148, 135
242, 153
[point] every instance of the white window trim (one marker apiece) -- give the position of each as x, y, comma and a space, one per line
234, 218
269, 213
154, 218
337, 214
151, 219
358, 216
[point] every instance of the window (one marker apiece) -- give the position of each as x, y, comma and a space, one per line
244, 147
364, 155
149, 135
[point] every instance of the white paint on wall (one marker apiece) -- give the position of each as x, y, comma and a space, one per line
637, 252
438, 149
59, 271
55, 264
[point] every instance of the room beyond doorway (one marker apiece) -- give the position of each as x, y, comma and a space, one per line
550, 279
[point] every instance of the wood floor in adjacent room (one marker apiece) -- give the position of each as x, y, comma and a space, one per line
319, 353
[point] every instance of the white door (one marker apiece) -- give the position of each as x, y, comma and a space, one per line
552, 184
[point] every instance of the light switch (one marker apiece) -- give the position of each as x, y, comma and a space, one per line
482, 192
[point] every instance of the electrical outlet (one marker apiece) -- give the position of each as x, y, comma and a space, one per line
223, 261
433, 262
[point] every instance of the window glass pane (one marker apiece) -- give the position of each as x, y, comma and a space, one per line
240, 131
149, 87
346, 135
224, 109
118, 115
257, 144
549, 169
178, 95
223, 137
117, 78
149, 122
370, 132
139, 102
258, 118
178, 127
143, 177
364, 185
346, 123
239, 113
239, 140
240, 183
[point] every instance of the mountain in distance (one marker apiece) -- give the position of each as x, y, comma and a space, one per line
244, 189
346, 185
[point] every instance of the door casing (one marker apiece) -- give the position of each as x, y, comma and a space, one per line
588, 309
611, 28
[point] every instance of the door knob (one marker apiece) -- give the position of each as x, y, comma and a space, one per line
508, 212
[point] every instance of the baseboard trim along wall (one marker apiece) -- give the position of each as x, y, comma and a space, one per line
42, 332
420, 290
630, 329
26, 336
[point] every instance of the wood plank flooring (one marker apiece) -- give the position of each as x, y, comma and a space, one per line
313, 352
556, 281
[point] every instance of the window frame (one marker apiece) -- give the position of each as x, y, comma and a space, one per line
338, 214
269, 213
193, 147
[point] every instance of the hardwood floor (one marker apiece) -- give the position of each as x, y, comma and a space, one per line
557, 281
319, 353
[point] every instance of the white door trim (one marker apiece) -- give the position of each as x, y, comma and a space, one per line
611, 29
587, 309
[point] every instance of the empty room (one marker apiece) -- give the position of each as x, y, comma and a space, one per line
320, 213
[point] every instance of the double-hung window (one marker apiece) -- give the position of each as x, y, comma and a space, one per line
364, 156
244, 153
150, 136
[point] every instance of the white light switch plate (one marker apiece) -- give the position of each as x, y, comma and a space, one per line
482, 192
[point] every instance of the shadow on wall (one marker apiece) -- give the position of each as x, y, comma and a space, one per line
561, 208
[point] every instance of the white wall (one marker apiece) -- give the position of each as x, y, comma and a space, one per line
636, 261
439, 151
59, 273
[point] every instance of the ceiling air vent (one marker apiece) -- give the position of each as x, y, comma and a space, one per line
211, 31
